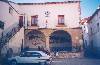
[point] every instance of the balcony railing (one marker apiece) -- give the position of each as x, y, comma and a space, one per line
5, 38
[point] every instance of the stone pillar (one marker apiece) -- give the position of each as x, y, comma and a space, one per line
47, 43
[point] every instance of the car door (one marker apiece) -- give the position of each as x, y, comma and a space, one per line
24, 58
37, 57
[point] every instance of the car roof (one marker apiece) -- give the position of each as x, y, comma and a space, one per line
34, 51
41, 52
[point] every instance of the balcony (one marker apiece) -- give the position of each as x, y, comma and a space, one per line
61, 25
33, 26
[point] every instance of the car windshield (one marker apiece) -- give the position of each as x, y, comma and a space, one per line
31, 54
44, 54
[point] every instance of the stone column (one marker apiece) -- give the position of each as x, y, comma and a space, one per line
47, 43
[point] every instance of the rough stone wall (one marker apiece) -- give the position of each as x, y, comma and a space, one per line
76, 35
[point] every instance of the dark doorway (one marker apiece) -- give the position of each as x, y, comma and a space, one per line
21, 20
60, 41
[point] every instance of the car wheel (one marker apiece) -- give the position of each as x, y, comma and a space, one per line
13, 62
42, 63
50, 63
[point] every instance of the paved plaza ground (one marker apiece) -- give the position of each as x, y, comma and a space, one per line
76, 61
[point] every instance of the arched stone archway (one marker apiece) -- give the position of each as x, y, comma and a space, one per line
60, 40
35, 39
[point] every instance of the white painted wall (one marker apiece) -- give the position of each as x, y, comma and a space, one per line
85, 33
16, 41
96, 34
69, 10
10, 20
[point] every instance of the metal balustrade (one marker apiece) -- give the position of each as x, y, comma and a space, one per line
4, 39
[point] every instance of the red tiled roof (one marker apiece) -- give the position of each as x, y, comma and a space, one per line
84, 20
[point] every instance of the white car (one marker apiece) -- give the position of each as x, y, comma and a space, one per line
31, 57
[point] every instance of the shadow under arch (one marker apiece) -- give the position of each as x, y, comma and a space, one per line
60, 40
36, 39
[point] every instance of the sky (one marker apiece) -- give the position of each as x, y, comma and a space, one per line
88, 7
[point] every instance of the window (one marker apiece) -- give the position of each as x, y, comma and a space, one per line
10, 10
34, 20
20, 21
30, 54
35, 54
97, 27
85, 44
23, 55
91, 31
91, 45
60, 19
84, 26
1, 25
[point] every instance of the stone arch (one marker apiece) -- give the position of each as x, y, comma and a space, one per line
60, 40
34, 39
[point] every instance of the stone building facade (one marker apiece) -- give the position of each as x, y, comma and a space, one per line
53, 26
85, 25
10, 30
94, 33
54, 39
